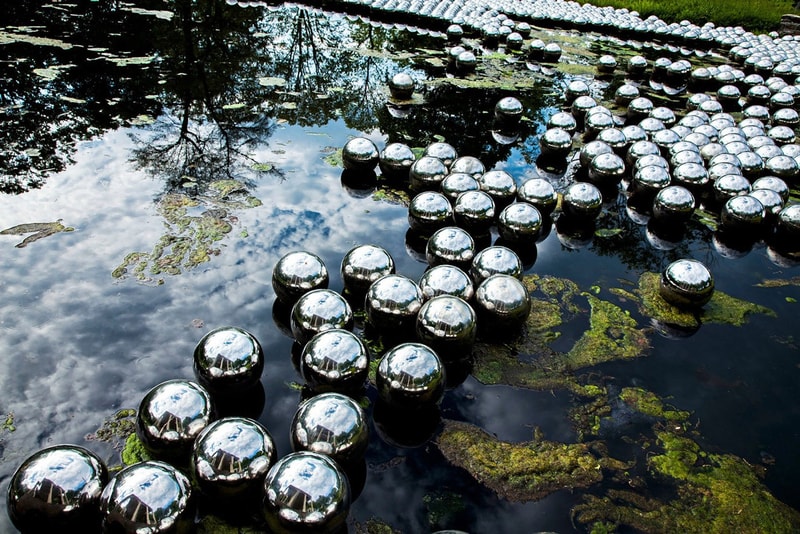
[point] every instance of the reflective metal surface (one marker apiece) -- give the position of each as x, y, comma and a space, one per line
686, 283
495, 260
468, 165
335, 359
520, 223
231, 457
360, 154
474, 211
500, 185
582, 201
171, 415
426, 174
445, 152
456, 183
148, 498
392, 304
395, 161
556, 142
448, 325
57, 488
451, 245
228, 359
674, 203
773, 182
502, 304
606, 170
363, 264
411, 375
591, 150
540, 193
306, 491
331, 424
729, 186
446, 280
297, 273
401, 86
430, 210
743, 212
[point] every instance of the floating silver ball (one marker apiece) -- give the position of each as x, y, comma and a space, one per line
55, 489
396, 160
306, 492
428, 211
730, 185
581, 105
771, 200
392, 303
231, 458
692, 176
401, 86
606, 64
552, 52
686, 283
297, 273
633, 133
782, 135
502, 304
363, 264
466, 61
563, 120
606, 170
650, 179
614, 138
625, 93
426, 174
789, 224
784, 167
540, 193
360, 154
151, 497
318, 311
582, 201
446, 280
508, 110
468, 165
450, 245
591, 150
500, 185
456, 183
575, 89
555, 142
495, 260
520, 223
752, 164
639, 108
596, 122
331, 424
171, 415
474, 211
639, 149
673, 204
228, 359
742, 212
448, 325
776, 184
445, 152
411, 375
336, 360
637, 65
685, 156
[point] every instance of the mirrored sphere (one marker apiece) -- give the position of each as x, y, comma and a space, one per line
582, 201
149, 497
306, 491
331, 424
520, 223
771, 200
362, 265
427, 173
743, 212
776, 184
556, 142
430, 210
396, 160
468, 165
686, 283
401, 86
360, 154
317, 311
729, 186
783, 167
564, 120
495, 260
392, 304
445, 152
499, 185
446, 280
789, 224
502, 304
450, 245
56, 488
297, 273
508, 110
540, 193
335, 359
448, 325
591, 150
171, 416
474, 211
674, 204
411, 375
231, 457
227, 359
456, 183
606, 170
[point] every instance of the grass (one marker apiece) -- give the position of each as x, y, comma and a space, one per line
753, 15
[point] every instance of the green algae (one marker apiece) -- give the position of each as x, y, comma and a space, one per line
8, 424
442, 507
518, 471
37, 230
780, 282
212, 524
119, 430
649, 403
374, 526
134, 451
392, 196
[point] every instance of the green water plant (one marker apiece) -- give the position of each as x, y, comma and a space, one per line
37, 230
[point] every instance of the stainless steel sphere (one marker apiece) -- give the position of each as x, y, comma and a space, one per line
306, 492
650, 179
495, 260
508, 110
771, 200
426, 174
552, 52
456, 183
474, 211
228, 359
580, 105
335, 360
540, 193
363, 264
445, 152
625, 93
360, 154
575, 89
606, 64
450, 245
231, 458
395, 161
673, 204
784, 167
430, 210
743, 212
639, 149
564, 120
615, 138
729, 186
686, 283
502, 304
446, 280
639, 108
392, 304
468, 165
582, 201
171, 416
606, 170
555, 142
331, 424
591, 150
637, 65
448, 325
297, 273
520, 223
500, 185
788, 228
752, 164
692, 176
149, 497
401, 86
776, 184
466, 61
411, 375
57, 489
318, 311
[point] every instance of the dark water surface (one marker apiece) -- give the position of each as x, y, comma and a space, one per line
111, 114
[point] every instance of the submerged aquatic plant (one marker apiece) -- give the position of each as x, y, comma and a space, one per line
37, 231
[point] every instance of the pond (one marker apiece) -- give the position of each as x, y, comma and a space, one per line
159, 159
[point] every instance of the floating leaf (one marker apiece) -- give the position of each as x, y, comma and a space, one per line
271, 81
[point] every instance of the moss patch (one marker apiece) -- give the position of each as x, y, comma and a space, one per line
649, 403
518, 471
37, 231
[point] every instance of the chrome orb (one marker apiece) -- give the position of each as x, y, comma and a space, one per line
502, 304
552, 52
448, 325
446, 280
752, 164
555, 142
540, 193
495, 260
582, 201
771, 200
466, 61
428, 211
783, 135
228, 359
743, 212
639, 149
57, 489
784, 167
576, 88
360, 154
335, 360
520, 223
149, 497
450, 245
231, 457
564, 120
639, 108
362, 265
445, 152
650, 180
318, 311
500, 185
686, 283
331, 424
606, 170
788, 228
728, 186
637, 65
392, 303
606, 64
591, 150
171, 416
776, 184
633, 133
685, 156
401, 86
297, 273
456, 183
411, 375
468, 165
306, 492
508, 110
395, 161
596, 122
614, 138
692, 176
426, 174
474, 211
581, 105
673, 204
625, 93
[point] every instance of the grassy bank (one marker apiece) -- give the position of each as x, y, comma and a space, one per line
753, 15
